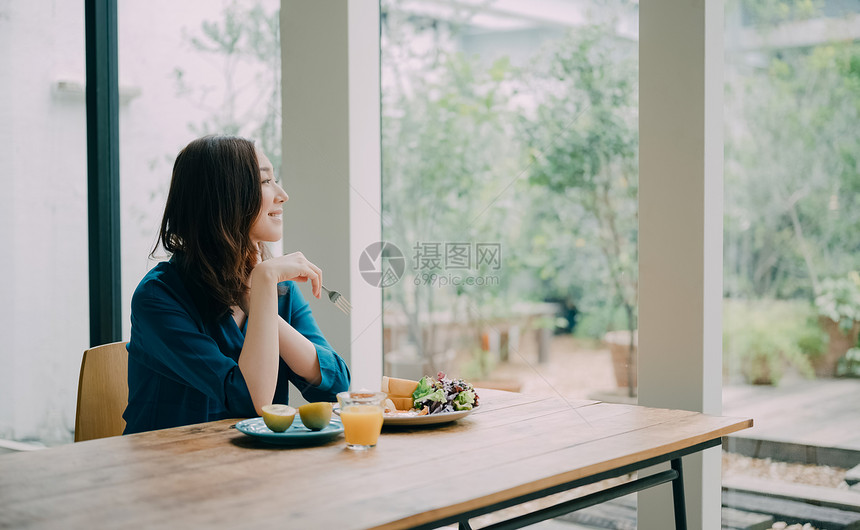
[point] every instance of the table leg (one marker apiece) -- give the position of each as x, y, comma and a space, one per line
678, 494
504, 345
464, 525
544, 337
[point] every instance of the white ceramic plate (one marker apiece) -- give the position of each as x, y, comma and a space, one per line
427, 419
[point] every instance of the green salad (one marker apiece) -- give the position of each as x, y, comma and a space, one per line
444, 395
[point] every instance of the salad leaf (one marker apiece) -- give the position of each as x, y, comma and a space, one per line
444, 395
437, 395
425, 386
464, 400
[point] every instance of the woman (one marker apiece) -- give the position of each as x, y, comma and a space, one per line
219, 330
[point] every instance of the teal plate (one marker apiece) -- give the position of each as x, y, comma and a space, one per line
297, 434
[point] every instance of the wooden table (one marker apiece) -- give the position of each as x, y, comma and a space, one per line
514, 448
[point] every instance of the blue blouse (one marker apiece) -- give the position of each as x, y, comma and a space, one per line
183, 370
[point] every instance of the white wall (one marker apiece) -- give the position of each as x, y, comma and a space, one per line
44, 320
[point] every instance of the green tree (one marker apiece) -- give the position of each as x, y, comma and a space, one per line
769, 13
447, 152
583, 145
792, 172
543, 160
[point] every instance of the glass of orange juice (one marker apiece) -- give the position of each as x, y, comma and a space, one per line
361, 414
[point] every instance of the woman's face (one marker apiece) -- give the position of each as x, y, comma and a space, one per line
268, 226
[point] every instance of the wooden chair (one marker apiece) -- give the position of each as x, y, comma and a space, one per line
102, 392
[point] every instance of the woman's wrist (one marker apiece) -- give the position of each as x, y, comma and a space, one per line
262, 274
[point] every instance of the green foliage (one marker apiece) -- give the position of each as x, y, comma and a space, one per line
552, 177
839, 300
582, 143
448, 156
792, 179
598, 320
773, 12
849, 364
763, 337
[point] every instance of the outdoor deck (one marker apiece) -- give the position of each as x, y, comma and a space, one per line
817, 413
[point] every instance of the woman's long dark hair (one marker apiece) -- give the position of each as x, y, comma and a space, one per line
214, 198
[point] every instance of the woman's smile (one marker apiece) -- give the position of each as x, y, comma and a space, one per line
272, 195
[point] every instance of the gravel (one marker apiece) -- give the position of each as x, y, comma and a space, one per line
831, 477
736, 465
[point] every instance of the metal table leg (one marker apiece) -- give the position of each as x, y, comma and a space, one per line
678, 494
674, 475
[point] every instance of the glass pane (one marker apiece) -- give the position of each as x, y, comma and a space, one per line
510, 187
43, 214
510, 192
792, 290
187, 69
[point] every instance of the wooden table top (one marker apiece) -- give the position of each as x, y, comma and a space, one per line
211, 475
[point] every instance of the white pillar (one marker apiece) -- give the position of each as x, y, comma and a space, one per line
331, 163
680, 234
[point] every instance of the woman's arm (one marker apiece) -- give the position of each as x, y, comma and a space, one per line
258, 361
330, 372
299, 353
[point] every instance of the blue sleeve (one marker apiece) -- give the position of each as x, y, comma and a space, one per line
179, 348
335, 374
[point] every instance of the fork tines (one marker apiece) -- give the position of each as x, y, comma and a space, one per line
343, 304
338, 300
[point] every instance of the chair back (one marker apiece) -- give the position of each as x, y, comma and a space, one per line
102, 392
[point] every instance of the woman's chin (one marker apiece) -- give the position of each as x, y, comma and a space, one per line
271, 239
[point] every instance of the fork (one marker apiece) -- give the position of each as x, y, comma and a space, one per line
338, 300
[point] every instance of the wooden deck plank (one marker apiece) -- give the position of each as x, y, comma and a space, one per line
793, 512
819, 412
817, 495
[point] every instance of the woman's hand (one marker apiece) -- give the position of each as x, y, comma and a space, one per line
292, 267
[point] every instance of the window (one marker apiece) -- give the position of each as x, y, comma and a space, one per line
792, 290
184, 70
510, 148
188, 70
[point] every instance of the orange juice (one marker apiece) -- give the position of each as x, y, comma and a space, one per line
361, 424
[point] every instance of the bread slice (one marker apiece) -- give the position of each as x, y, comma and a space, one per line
401, 403
398, 387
